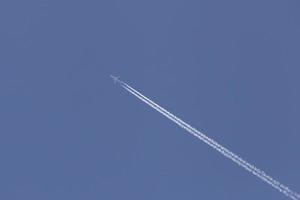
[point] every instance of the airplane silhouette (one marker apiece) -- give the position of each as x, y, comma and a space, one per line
115, 79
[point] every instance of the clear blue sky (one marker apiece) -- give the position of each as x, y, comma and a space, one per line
229, 68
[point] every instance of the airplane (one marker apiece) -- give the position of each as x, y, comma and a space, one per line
115, 79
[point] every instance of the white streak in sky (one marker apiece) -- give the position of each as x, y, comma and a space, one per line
227, 153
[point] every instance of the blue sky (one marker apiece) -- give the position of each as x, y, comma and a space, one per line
229, 68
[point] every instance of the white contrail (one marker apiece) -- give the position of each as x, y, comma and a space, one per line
225, 150
278, 185
259, 173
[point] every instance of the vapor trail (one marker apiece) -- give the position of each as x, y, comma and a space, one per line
259, 173
223, 149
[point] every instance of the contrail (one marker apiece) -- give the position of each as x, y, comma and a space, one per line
228, 153
257, 172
